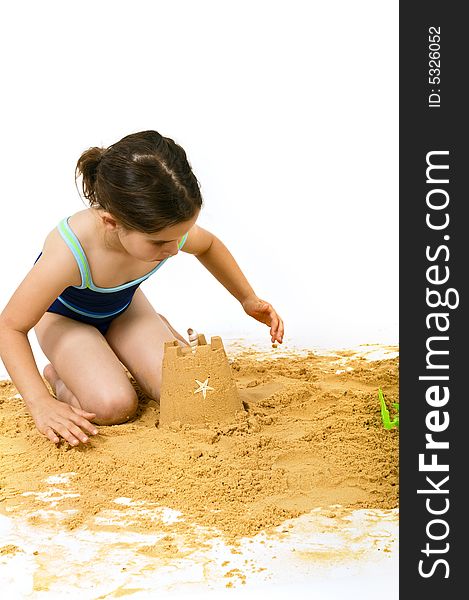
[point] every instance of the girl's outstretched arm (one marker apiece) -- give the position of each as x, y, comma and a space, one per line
217, 259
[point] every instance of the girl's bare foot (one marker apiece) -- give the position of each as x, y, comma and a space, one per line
59, 388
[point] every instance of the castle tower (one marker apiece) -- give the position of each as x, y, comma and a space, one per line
197, 385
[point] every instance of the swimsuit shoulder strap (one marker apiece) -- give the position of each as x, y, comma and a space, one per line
183, 240
86, 281
73, 243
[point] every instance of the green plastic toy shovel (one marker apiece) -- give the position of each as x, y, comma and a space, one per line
388, 424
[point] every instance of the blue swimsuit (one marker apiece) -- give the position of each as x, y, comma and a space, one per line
87, 302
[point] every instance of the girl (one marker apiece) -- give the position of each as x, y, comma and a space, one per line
82, 295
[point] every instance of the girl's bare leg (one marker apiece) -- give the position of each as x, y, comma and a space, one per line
84, 371
137, 337
176, 334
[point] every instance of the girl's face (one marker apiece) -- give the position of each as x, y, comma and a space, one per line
151, 247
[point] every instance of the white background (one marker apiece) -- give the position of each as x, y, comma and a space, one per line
288, 112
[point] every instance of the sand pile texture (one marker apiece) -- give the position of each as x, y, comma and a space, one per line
311, 437
183, 367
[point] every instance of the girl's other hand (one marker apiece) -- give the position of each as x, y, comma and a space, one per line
54, 418
265, 313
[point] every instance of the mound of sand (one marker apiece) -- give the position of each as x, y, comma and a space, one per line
311, 437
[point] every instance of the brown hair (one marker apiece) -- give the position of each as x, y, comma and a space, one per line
144, 180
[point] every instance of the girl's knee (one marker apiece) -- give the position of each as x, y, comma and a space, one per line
115, 407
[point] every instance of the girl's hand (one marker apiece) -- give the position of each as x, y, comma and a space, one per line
265, 313
54, 418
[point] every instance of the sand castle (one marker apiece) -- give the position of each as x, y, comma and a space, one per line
197, 384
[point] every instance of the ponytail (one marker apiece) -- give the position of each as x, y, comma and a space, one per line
87, 166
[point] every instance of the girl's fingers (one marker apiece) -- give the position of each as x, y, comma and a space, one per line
66, 434
278, 333
280, 330
69, 431
83, 413
51, 435
84, 424
77, 432
81, 420
274, 325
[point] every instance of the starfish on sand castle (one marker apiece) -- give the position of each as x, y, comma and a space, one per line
203, 387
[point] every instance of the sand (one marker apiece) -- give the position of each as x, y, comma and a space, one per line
310, 438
